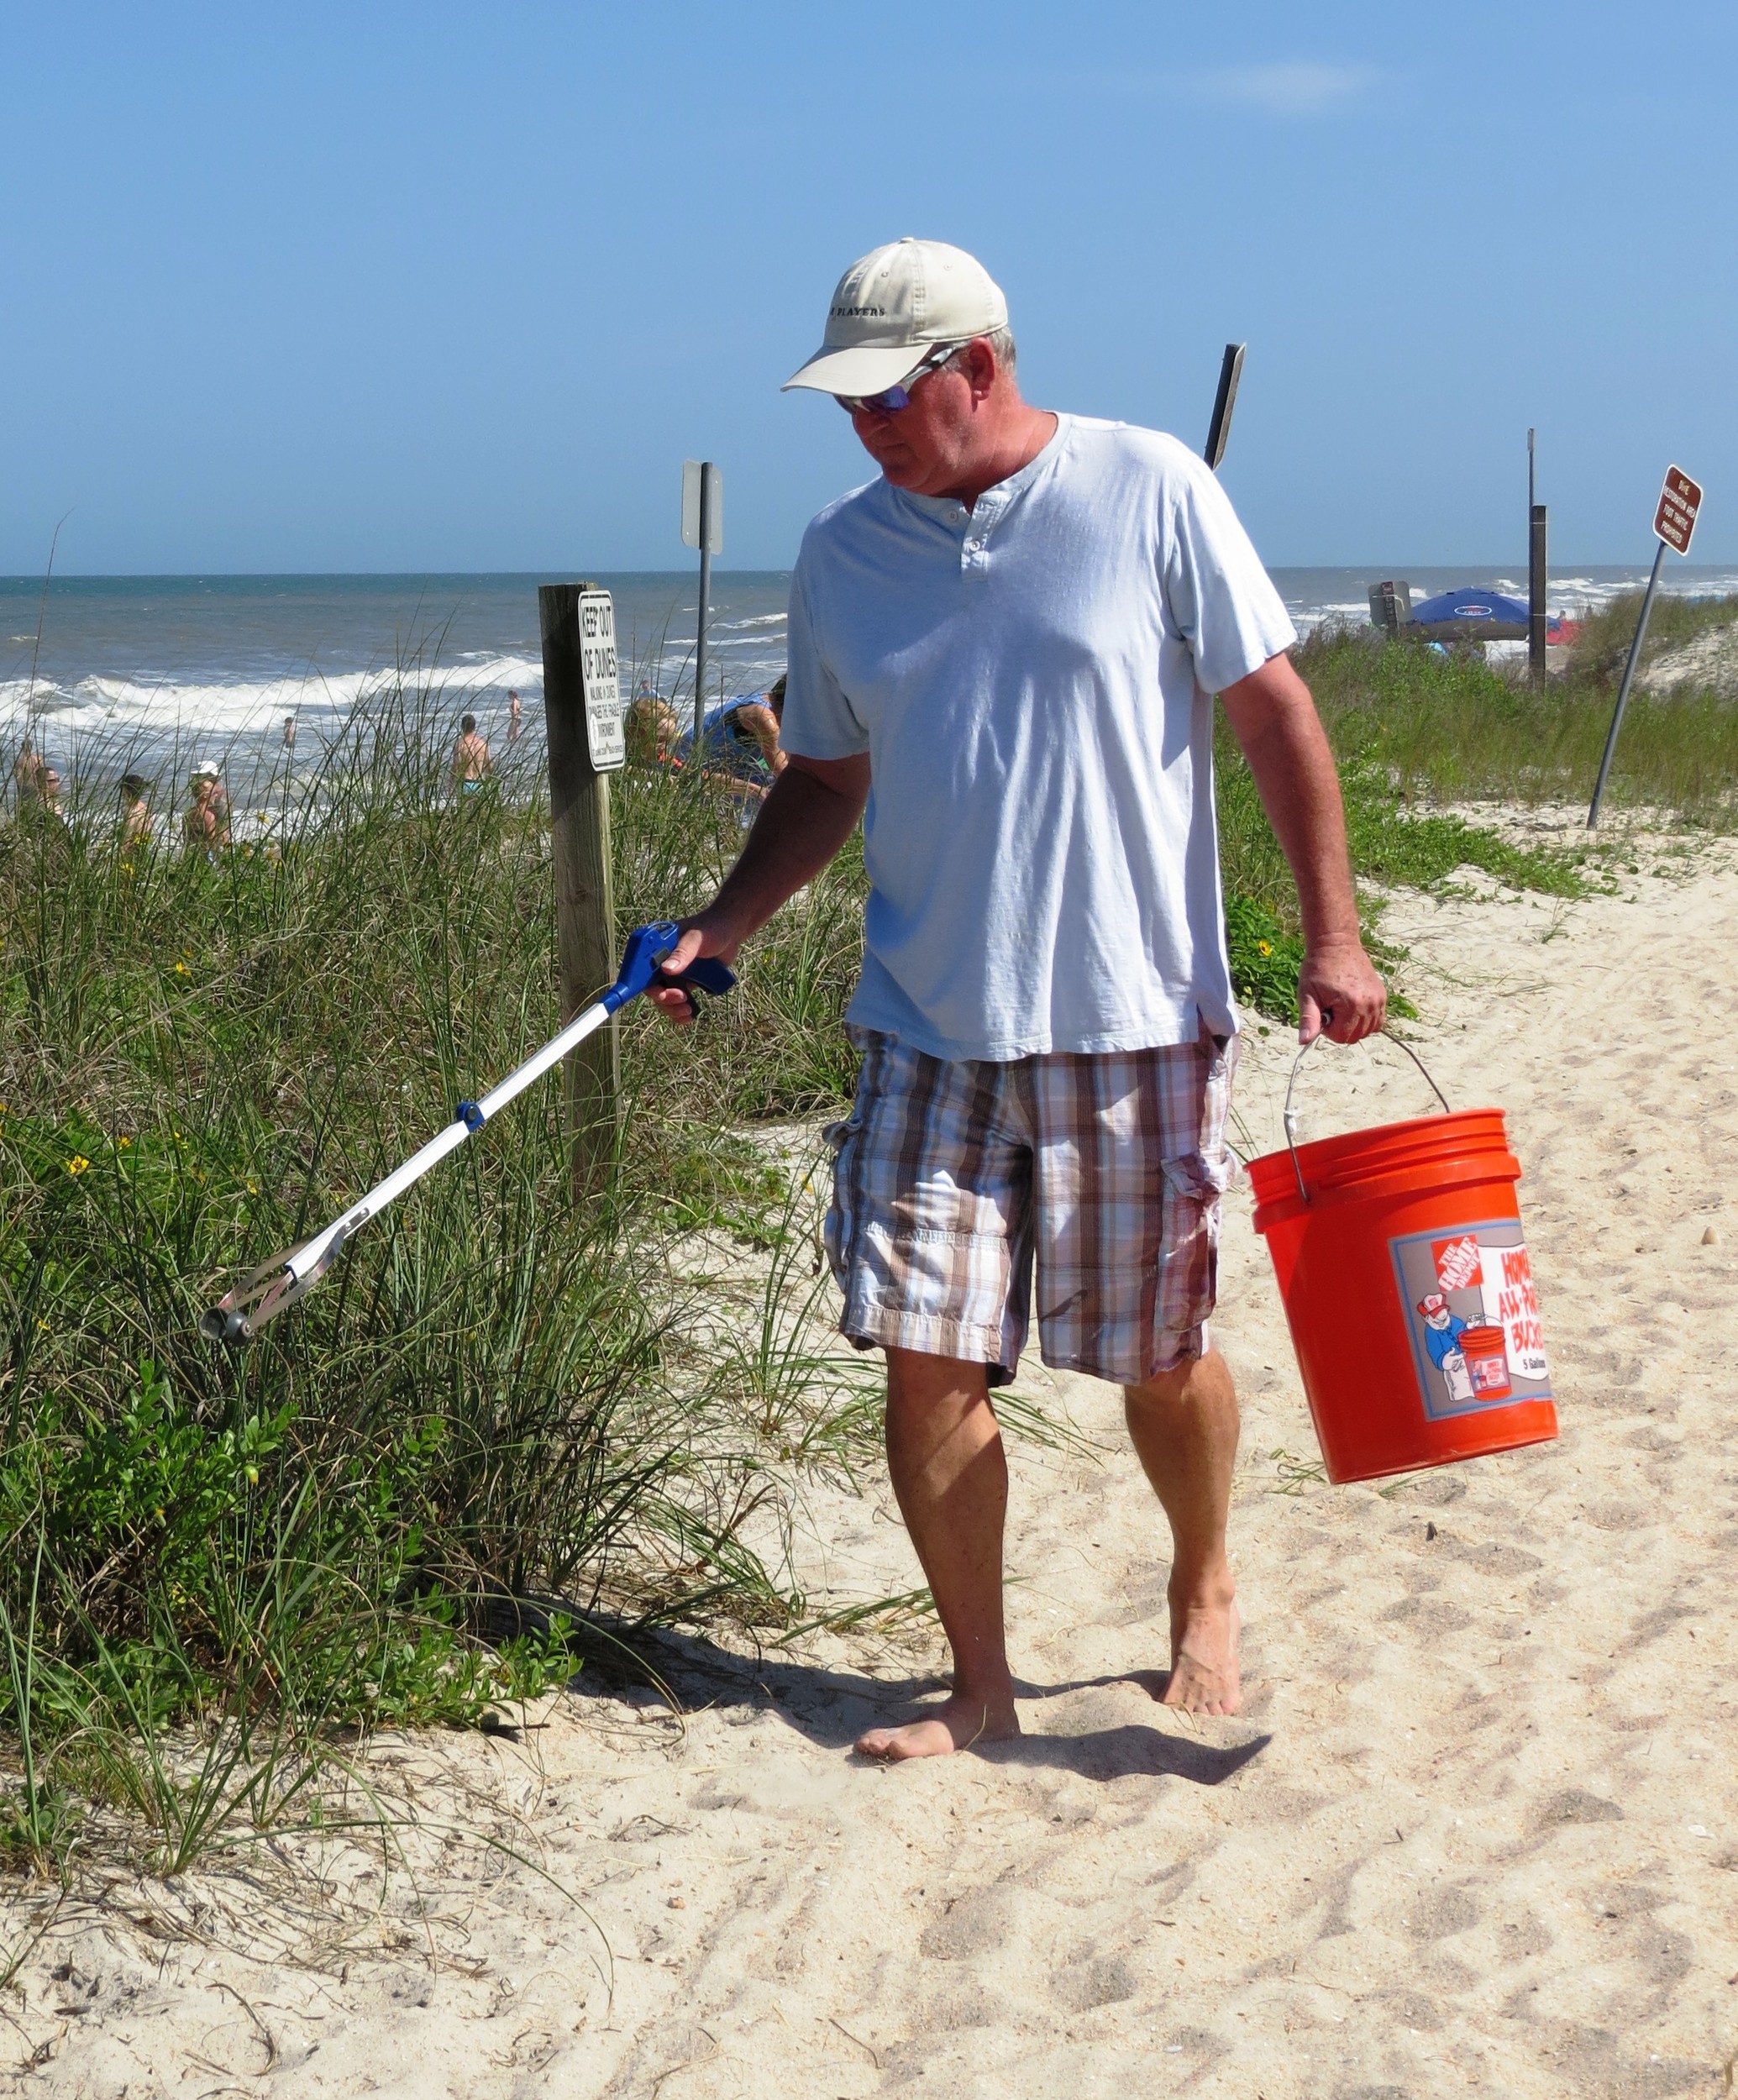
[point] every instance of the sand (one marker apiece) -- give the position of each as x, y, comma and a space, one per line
1477, 1827
1708, 664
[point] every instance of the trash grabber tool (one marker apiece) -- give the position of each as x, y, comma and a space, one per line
287, 1276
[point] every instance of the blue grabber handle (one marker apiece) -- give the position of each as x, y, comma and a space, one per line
647, 947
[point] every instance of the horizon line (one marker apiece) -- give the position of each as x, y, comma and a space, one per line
1391, 566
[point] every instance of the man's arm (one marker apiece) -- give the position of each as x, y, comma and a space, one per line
810, 811
1275, 720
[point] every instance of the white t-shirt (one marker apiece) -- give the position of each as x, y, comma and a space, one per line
1031, 681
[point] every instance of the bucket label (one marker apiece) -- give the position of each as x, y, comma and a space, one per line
1472, 1314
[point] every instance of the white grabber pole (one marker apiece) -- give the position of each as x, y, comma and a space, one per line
238, 1317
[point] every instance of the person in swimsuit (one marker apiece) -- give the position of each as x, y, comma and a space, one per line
739, 743
136, 819
206, 824
471, 763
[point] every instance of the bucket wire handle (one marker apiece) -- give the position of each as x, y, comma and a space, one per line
1290, 1116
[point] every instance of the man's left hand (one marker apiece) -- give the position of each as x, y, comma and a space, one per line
1340, 994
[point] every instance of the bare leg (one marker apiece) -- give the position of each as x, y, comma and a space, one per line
1185, 1427
944, 1452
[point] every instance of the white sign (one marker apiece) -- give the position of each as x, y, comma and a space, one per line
1511, 1302
691, 506
601, 677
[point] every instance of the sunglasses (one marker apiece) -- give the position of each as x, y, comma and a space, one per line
892, 399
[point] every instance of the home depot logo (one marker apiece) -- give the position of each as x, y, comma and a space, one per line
1459, 1264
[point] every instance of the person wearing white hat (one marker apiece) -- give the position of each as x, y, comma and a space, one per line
1002, 657
206, 823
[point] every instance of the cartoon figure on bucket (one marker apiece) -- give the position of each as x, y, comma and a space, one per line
1443, 1329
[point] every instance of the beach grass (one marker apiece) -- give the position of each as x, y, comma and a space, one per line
212, 1566
1421, 734
1602, 645
1444, 728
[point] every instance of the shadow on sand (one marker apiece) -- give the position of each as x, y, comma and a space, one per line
831, 1707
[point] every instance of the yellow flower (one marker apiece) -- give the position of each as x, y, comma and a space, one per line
253, 1476
253, 1187
181, 969
1265, 947
124, 1142
44, 1328
78, 1164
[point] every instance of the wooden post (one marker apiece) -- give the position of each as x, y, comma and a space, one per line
585, 898
1536, 615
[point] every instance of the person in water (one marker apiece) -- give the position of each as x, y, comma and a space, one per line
27, 769
206, 824
136, 818
471, 763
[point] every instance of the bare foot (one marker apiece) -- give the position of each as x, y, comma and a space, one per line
956, 1724
1204, 1659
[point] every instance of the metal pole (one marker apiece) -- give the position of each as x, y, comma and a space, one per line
1532, 495
706, 592
1623, 690
1537, 616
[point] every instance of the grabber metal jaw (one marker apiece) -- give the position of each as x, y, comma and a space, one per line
237, 1318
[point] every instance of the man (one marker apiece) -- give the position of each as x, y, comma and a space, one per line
136, 820
471, 763
1000, 655
1443, 1329
206, 824
39, 818
27, 769
515, 717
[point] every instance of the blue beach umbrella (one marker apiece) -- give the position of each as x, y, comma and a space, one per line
1475, 606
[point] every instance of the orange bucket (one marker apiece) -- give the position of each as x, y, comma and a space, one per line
1403, 1272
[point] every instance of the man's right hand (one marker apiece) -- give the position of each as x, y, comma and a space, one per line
810, 811
701, 936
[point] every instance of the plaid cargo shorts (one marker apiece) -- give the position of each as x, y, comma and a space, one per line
949, 1178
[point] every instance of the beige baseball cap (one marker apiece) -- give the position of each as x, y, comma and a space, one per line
895, 304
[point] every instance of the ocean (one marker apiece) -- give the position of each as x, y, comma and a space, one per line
154, 674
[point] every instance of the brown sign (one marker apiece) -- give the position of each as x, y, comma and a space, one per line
1675, 520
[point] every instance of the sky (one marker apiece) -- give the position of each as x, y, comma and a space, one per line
452, 288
